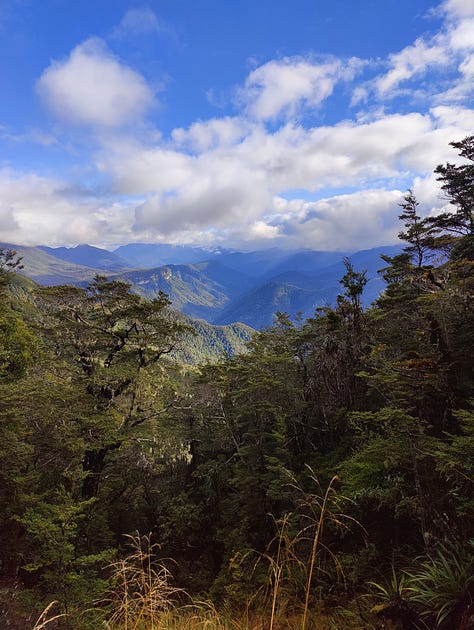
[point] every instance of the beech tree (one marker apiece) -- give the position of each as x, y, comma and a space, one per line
115, 339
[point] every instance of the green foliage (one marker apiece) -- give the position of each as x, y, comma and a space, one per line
212, 343
457, 182
58, 569
16, 346
442, 586
420, 234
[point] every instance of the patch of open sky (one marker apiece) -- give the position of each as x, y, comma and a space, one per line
313, 196
45, 156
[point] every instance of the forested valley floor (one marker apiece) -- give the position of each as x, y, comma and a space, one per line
322, 479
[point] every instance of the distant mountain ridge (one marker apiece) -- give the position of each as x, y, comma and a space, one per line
149, 255
221, 288
88, 256
48, 269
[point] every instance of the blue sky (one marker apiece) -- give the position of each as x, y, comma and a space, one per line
237, 123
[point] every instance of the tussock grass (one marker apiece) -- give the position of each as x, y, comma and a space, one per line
298, 554
143, 596
143, 591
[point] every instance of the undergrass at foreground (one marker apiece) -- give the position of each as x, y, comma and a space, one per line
142, 597
206, 617
209, 620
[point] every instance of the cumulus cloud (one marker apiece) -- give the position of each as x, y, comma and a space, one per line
281, 87
239, 186
233, 183
36, 209
362, 218
461, 36
203, 136
291, 157
139, 170
456, 121
213, 195
92, 87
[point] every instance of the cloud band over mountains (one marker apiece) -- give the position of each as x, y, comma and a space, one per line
271, 171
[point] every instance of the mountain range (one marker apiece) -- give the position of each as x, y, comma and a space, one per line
218, 286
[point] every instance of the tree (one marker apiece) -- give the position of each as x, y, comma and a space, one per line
353, 282
457, 182
419, 232
115, 340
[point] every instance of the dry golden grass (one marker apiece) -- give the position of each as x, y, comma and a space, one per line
143, 596
142, 593
44, 619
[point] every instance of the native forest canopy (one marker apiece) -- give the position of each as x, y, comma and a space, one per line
321, 478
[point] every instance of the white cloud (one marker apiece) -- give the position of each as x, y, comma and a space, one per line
291, 157
235, 178
456, 121
362, 219
235, 188
261, 231
203, 136
138, 22
433, 57
138, 170
34, 136
281, 87
91, 87
467, 67
459, 8
214, 195
232, 183
36, 210
411, 61
461, 36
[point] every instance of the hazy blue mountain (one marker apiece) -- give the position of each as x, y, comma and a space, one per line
272, 262
301, 293
257, 307
307, 262
49, 270
200, 290
370, 260
88, 256
255, 264
247, 287
147, 255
